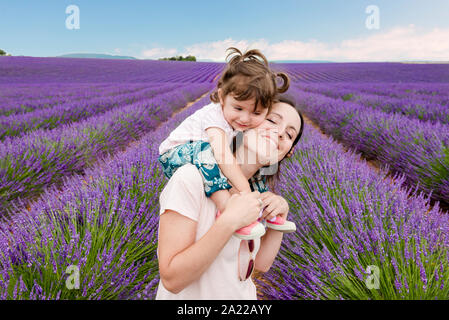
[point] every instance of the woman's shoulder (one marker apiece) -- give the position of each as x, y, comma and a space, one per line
189, 176
184, 192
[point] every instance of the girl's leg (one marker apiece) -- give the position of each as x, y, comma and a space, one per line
213, 179
175, 158
220, 198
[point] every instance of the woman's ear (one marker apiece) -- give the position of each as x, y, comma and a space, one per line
290, 153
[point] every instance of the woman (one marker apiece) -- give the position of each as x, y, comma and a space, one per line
198, 256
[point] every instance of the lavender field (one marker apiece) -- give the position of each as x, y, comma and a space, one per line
80, 181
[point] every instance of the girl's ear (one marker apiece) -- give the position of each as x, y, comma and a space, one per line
220, 91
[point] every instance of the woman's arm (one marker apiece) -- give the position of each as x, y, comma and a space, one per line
271, 241
226, 160
269, 248
181, 259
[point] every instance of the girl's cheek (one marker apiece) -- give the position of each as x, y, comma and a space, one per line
265, 125
258, 122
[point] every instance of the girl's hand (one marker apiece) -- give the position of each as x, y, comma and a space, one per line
275, 205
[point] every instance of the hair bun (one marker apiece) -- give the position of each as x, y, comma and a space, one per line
237, 56
253, 55
286, 82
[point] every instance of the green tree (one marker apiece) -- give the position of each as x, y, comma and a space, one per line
2, 52
180, 58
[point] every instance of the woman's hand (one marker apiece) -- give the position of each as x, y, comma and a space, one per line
242, 209
274, 205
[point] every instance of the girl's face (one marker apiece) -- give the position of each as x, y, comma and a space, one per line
274, 137
241, 115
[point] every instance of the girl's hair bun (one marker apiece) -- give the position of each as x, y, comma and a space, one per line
285, 84
250, 55
248, 76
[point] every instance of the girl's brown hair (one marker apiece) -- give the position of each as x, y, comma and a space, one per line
248, 76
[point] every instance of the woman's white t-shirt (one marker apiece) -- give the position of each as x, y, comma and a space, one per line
184, 193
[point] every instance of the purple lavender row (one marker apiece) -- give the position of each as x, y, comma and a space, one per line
104, 223
420, 150
32, 101
353, 225
40, 91
43, 157
408, 106
400, 90
365, 72
73, 111
59, 70
384, 90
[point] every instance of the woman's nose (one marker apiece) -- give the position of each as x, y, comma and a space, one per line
281, 133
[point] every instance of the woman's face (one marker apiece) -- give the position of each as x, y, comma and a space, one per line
274, 137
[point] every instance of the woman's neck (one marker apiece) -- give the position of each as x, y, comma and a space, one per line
247, 161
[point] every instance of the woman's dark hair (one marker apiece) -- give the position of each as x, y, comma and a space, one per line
272, 180
284, 98
248, 76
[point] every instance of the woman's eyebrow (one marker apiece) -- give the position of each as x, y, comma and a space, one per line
288, 127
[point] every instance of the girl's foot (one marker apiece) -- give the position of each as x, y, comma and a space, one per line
253, 231
280, 224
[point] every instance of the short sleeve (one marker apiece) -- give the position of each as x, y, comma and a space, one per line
183, 193
214, 118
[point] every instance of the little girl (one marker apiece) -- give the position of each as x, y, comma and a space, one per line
246, 91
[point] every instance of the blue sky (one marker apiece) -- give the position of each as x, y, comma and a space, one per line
284, 29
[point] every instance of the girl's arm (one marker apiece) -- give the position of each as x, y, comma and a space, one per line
181, 259
226, 160
271, 241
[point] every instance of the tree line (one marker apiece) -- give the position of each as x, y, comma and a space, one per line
180, 58
4, 53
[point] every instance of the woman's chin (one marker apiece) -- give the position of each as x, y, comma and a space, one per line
267, 156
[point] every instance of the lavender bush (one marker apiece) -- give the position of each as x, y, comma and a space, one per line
40, 158
348, 218
418, 149
56, 115
411, 106
104, 222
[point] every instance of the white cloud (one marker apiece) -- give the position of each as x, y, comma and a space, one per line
396, 44
158, 53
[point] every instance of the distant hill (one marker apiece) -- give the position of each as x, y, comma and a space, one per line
94, 55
